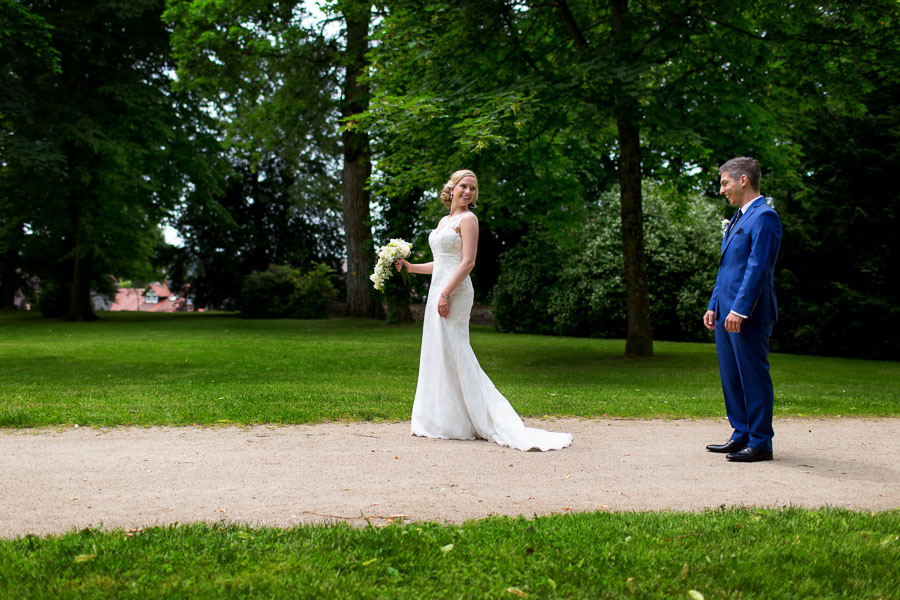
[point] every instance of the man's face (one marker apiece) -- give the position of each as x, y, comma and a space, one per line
731, 189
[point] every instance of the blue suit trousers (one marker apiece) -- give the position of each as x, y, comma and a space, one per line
746, 383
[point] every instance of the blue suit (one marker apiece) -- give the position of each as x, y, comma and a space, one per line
746, 284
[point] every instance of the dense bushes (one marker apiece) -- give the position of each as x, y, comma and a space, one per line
840, 256
529, 277
282, 291
571, 282
54, 299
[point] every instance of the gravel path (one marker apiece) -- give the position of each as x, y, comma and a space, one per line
57, 480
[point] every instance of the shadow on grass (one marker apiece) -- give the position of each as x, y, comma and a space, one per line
16, 418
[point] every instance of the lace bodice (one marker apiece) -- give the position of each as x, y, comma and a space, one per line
445, 240
446, 246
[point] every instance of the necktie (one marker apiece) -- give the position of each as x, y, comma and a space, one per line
734, 219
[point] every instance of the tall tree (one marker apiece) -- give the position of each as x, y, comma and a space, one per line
357, 161
839, 257
280, 86
399, 215
117, 132
668, 89
265, 214
26, 157
429, 119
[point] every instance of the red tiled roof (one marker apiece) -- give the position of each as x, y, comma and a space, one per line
128, 299
134, 299
161, 289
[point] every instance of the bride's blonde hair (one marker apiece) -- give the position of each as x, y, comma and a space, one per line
447, 190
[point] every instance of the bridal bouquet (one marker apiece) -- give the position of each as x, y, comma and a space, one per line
387, 256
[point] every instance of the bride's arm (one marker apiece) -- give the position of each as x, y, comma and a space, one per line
420, 268
468, 231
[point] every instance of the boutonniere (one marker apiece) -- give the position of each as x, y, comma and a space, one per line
725, 223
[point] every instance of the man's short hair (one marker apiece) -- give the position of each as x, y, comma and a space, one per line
743, 165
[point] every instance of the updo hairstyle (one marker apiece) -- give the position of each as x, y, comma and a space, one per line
447, 190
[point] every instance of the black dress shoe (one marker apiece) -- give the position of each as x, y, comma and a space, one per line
750, 454
729, 446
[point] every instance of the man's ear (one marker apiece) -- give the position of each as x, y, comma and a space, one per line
745, 181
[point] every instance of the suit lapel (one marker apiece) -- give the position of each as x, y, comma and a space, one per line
728, 228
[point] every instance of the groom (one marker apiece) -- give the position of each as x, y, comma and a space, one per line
742, 311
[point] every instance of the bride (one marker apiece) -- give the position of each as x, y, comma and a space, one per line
455, 399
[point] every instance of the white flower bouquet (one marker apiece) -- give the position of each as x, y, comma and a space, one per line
387, 256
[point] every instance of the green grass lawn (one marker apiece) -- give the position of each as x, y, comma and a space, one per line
187, 368
722, 554
206, 368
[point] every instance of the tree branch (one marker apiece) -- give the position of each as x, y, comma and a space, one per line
569, 20
507, 20
822, 42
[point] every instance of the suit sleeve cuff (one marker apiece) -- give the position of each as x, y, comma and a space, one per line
738, 314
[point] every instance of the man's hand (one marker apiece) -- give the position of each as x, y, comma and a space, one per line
733, 323
709, 320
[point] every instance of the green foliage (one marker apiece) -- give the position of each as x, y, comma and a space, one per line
111, 144
548, 287
271, 81
726, 553
529, 276
222, 368
535, 166
529, 99
397, 291
840, 257
282, 291
270, 214
29, 160
54, 299
25, 36
535, 114
279, 84
270, 75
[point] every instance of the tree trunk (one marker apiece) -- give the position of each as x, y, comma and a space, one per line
361, 301
639, 343
9, 279
80, 308
397, 295
400, 215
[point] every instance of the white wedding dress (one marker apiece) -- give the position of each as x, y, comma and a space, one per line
455, 399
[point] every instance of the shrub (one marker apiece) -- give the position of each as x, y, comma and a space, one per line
835, 322
282, 291
529, 274
590, 299
54, 299
546, 289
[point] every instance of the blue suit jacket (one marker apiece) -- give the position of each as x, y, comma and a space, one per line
746, 279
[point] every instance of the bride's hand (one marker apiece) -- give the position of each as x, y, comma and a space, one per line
401, 263
443, 306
